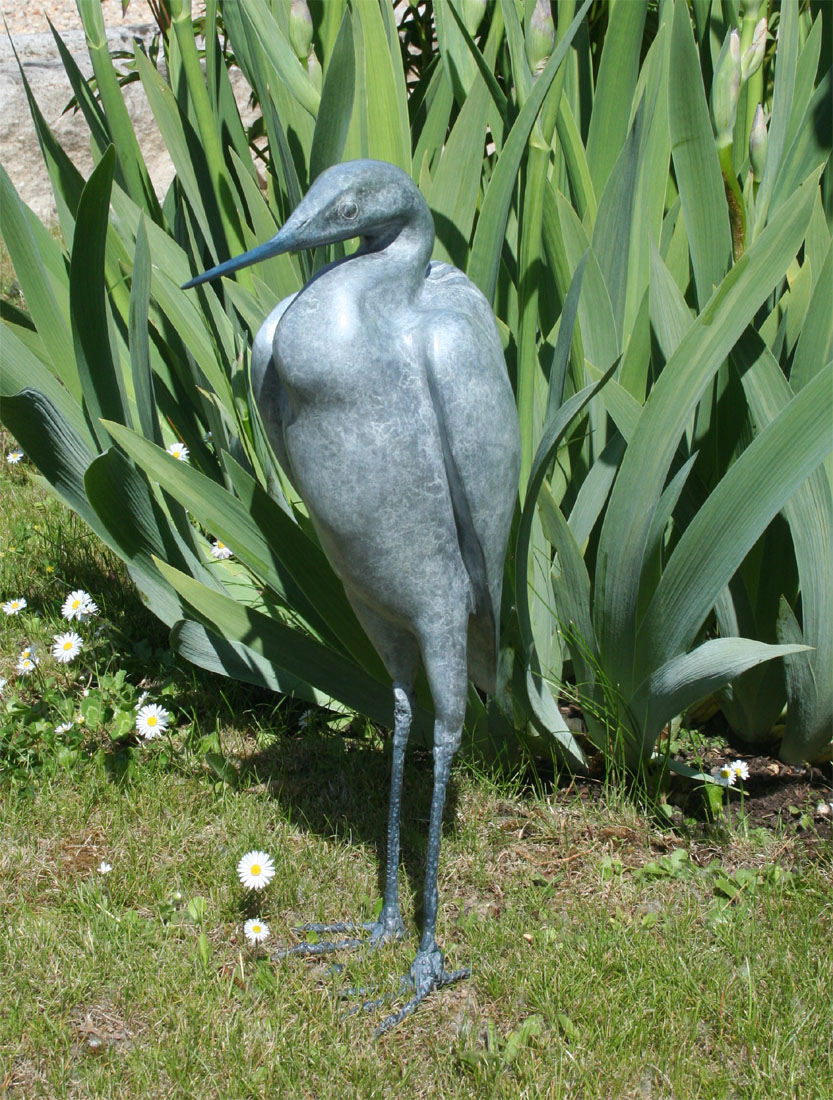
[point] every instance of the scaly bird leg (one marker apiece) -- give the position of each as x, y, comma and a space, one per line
428, 971
389, 925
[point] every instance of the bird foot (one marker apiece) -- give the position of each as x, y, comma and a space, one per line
427, 973
387, 928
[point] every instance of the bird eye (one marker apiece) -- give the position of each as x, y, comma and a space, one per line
348, 210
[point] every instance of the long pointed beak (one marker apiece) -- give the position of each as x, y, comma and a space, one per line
281, 242
285, 240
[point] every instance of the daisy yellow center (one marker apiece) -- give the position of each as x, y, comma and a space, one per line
255, 927
152, 720
220, 545
67, 645
255, 868
76, 603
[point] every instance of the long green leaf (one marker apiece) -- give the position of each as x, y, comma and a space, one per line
713, 546
645, 465
689, 677
101, 379
696, 166
484, 261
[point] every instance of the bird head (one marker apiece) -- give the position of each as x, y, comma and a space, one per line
370, 199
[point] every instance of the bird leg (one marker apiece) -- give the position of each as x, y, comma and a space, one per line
427, 971
389, 924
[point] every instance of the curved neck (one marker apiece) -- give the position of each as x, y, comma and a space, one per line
404, 245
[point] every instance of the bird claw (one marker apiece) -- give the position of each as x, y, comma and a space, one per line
388, 927
427, 974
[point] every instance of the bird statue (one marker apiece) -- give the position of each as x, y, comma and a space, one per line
383, 390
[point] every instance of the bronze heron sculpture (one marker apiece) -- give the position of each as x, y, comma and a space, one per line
383, 390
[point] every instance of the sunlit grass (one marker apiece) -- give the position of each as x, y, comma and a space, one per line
603, 965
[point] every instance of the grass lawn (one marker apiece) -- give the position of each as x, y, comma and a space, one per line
610, 958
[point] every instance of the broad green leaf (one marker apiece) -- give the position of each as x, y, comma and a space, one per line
386, 104
689, 677
753, 490
209, 650
139, 343
21, 369
49, 312
696, 167
56, 448
100, 376
285, 647
119, 126
333, 121
484, 261
644, 468
786, 62
618, 71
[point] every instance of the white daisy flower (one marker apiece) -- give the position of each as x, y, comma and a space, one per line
15, 606
67, 647
14, 457
179, 451
79, 605
25, 665
104, 868
740, 769
727, 774
3, 682
141, 700
64, 727
219, 550
256, 930
256, 870
151, 721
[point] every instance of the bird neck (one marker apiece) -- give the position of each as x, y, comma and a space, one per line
404, 247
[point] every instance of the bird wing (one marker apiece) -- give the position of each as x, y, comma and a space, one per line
267, 388
478, 424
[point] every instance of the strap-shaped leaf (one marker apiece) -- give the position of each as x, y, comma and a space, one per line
689, 677
696, 166
286, 647
101, 378
333, 121
665, 414
736, 513
491, 226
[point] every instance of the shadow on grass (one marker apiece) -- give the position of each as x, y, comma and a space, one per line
338, 786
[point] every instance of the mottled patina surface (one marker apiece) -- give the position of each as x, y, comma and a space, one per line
383, 390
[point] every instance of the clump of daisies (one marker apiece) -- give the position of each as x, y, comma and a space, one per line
255, 871
731, 773
79, 605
